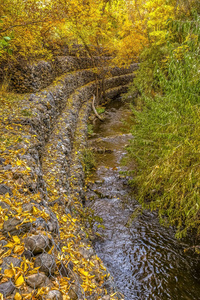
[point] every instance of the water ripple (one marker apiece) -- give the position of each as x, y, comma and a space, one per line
147, 262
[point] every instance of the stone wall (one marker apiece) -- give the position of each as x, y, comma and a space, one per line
48, 174
28, 78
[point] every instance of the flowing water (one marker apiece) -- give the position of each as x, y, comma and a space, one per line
145, 259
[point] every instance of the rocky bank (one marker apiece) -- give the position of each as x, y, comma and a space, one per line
45, 250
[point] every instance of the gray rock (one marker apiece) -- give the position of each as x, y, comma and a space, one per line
4, 189
46, 262
52, 226
63, 270
54, 295
40, 222
7, 167
4, 205
7, 261
107, 297
10, 226
86, 252
2, 161
37, 280
67, 211
27, 207
7, 288
73, 292
3, 243
37, 243
100, 181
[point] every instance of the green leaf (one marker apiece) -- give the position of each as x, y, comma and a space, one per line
3, 43
10, 51
7, 38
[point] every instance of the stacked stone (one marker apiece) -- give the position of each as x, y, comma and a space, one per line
52, 126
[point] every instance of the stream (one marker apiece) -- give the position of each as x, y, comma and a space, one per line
144, 258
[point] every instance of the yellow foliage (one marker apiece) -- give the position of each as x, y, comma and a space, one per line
19, 281
17, 296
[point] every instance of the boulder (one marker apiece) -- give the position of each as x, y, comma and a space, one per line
10, 226
54, 295
37, 243
46, 262
4, 205
7, 261
7, 288
86, 252
37, 280
27, 207
73, 292
4, 189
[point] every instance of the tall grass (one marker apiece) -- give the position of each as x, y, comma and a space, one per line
166, 130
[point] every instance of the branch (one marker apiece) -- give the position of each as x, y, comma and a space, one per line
94, 109
22, 25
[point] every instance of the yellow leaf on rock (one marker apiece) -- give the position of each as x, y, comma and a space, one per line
25, 267
17, 296
34, 271
36, 210
6, 254
83, 272
28, 296
19, 281
9, 245
18, 162
9, 273
50, 251
64, 218
16, 239
19, 249
42, 291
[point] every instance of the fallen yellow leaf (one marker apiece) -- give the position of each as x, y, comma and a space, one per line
16, 239
65, 218
19, 281
17, 296
18, 162
83, 272
9, 245
18, 249
9, 273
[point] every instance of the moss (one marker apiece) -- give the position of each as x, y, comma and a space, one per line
90, 129
89, 161
26, 113
100, 110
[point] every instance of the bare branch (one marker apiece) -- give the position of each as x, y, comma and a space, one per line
94, 109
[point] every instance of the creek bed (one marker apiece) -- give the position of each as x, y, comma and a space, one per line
144, 258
